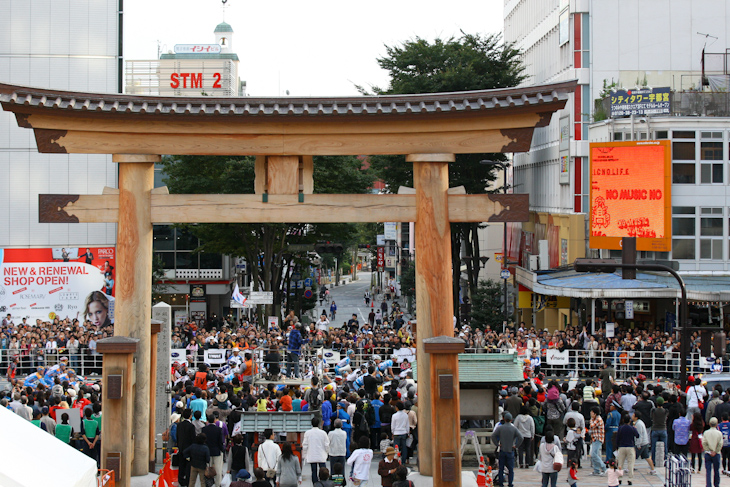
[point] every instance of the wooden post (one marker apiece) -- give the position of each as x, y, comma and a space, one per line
435, 305
155, 328
117, 449
134, 289
444, 388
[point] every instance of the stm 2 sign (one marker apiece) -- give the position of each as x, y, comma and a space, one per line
192, 80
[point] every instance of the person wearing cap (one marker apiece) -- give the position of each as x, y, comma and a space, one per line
387, 467
712, 441
235, 360
508, 438
48, 421
658, 427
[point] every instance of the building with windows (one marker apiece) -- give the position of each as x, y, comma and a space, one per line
72, 46
197, 284
621, 45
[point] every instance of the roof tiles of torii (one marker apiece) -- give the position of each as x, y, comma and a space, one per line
499, 120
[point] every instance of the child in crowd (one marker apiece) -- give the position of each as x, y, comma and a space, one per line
572, 441
613, 473
573, 473
260, 478
385, 442
338, 475
401, 477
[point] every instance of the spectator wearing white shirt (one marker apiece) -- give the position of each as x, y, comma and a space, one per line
338, 445
315, 448
269, 452
360, 462
399, 425
695, 394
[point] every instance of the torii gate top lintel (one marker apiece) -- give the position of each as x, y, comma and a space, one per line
499, 120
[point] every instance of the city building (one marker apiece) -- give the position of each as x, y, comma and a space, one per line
75, 46
197, 285
72, 46
608, 46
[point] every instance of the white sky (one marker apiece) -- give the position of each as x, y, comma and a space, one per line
315, 48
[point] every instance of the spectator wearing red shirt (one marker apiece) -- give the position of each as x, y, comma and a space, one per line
285, 403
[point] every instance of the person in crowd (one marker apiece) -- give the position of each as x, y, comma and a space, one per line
198, 455
547, 453
658, 427
288, 469
215, 441
268, 454
315, 448
626, 441
696, 428
526, 426
712, 442
388, 467
597, 434
508, 438
642, 442
338, 445
360, 461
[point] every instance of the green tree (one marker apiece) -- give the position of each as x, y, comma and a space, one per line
469, 62
267, 243
486, 305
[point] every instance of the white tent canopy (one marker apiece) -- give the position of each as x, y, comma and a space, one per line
32, 457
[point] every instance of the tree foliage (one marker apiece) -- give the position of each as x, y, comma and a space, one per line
262, 243
486, 305
469, 62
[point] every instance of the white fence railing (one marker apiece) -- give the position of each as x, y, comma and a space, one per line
579, 363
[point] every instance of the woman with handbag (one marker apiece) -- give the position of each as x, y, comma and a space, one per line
550, 459
288, 469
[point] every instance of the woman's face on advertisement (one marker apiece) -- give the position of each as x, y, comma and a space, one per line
97, 313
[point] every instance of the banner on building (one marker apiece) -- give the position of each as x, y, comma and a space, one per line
63, 282
631, 195
645, 101
556, 357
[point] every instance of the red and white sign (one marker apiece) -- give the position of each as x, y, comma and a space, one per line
194, 80
63, 282
381, 257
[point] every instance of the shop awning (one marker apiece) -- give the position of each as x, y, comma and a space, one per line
604, 285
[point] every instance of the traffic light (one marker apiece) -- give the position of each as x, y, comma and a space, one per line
363, 246
718, 344
705, 344
594, 265
328, 248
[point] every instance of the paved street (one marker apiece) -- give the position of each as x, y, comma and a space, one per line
349, 299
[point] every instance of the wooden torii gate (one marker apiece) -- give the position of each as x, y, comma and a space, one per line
283, 134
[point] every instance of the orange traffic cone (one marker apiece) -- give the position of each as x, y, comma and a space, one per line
482, 474
372, 303
490, 481
397, 452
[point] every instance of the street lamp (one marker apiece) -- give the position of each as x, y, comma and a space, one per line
609, 266
504, 166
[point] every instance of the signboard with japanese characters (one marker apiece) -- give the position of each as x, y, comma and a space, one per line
644, 101
197, 48
630, 194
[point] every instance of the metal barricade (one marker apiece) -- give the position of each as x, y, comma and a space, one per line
677, 471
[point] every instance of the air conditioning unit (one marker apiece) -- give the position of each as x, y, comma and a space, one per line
533, 263
542, 252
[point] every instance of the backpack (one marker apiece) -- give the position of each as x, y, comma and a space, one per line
553, 410
363, 427
315, 402
539, 424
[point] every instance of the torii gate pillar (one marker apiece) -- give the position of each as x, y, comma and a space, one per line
133, 305
435, 304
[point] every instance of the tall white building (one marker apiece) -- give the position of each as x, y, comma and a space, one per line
65, 45
620, 44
